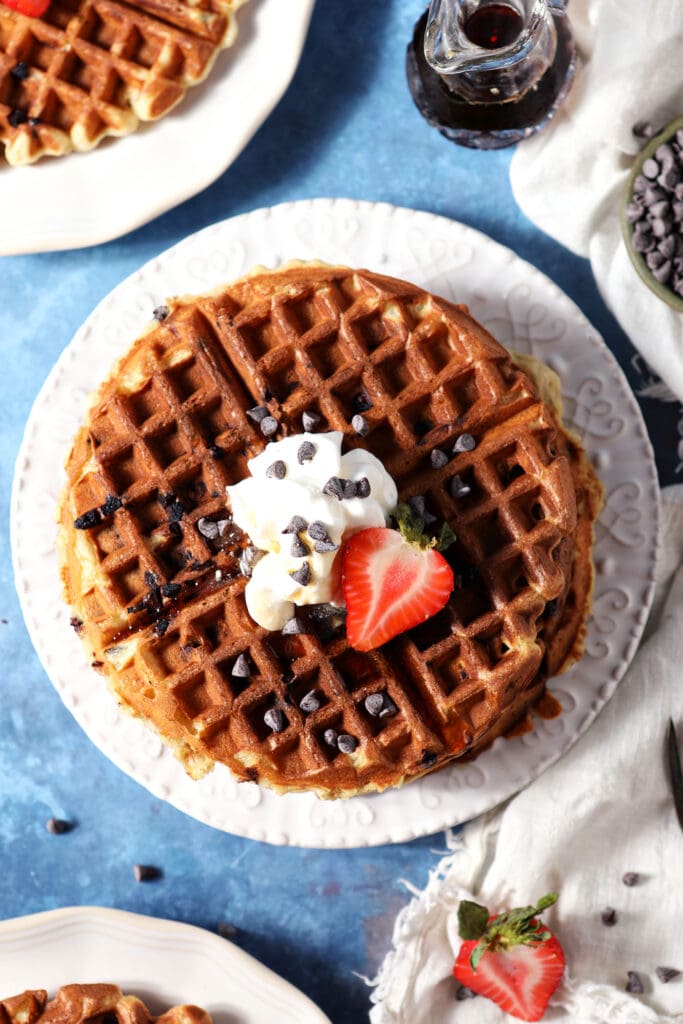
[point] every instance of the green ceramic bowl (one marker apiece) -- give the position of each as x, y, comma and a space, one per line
661, 290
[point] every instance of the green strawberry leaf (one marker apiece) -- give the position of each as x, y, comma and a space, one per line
472, 920
446, 538
477, 953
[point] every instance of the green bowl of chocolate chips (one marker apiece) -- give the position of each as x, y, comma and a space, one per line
652, 214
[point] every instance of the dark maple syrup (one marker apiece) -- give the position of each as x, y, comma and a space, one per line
493, 26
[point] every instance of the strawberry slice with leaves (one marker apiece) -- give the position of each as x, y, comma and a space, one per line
31, 8
510, 958
393, 580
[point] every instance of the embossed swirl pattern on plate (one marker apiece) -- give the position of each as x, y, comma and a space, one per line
523, 309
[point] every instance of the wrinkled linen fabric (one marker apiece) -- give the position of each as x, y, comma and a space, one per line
603, 810
570, 178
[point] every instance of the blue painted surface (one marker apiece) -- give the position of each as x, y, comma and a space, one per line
347, 126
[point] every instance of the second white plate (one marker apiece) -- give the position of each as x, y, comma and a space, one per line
522, 308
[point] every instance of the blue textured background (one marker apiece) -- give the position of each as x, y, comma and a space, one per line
347, 127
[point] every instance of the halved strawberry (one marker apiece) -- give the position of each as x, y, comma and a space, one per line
31, 8
510, 958
393, 580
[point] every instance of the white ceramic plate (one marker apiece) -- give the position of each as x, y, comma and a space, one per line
86, 198
162, 962
522, 308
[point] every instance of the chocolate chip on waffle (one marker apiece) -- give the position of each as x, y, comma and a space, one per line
91, 68
335, 343
75, 1004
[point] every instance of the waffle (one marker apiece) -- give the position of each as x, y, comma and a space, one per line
98, 1004
91, 68
161, 607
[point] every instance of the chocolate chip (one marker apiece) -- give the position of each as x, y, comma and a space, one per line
160, 313
16, 117
334, 488
361, 402
299, 548
170, 589
464, 443
166, 500
295, 525
389, 709
642, 241
374, 704
175, 512
305, 452
349, 487
242, 667
76, 624
438, 459
318, 531
655, 259
146, 873
458, 488
650, 169
57, 826
310, 702
363, 487
215, 451
666, 974
669, 179
258, 413
310, 421
640, 184
302, 575
663, 273
274, 719
175, 530
609, 916
161, 627
634, 984
465, 993
360, 425
226, 930
20, 71
207, 528
428, 758
34, 121
268, 426
417, 503
631, 878
644, 130
346, 744
293, 627
330, 736
325, 546
277, 470
88, 520
111, 505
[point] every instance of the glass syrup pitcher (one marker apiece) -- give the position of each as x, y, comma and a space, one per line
488, 73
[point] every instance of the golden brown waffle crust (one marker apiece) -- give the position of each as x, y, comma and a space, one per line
89, 69
314, 336
76, 1004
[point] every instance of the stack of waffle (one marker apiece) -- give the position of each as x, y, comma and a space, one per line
76, 1004
155, 570
91, 68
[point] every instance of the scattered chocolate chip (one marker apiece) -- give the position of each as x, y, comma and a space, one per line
242, 667
464, 992
175, 512
363, 487
323, 547
650, 169
631, 878
111, 505
361, 402
175, 529
277, 470
609, 916
16, 117
215, 451
226, 930
299, 547
310, 421
170, 589
389, 709
418, 504
334, 487
644, 130
438, 459
88, 520
160, 313
305, 452
297, 524
268, 426
666, 974
634, 984
360, 425
458, 488
331, 736
318, 531
374, 704
274, 719
428, 758
302, 575
166, 500
161, 627
248, 559
310, 702
146, 873
57, 826
258, 413
293, 627
464, 443
349, 488
20, 71
34, 121
76, 624
346, 744
151, 578
207, 528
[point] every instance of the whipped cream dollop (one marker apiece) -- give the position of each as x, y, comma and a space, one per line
304, 498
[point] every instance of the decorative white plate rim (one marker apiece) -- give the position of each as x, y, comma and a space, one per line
125, 183
33, 950
598, 403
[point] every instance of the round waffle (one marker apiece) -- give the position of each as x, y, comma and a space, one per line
91, 68
159, 599
75, 1004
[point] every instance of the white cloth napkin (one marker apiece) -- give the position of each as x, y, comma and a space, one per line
604, 809
570, 178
